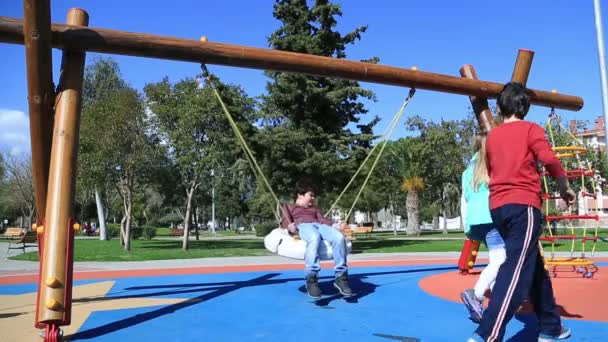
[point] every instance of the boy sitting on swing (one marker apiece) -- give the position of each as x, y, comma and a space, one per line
306, 220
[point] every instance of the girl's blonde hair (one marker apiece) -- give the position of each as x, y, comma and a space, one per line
480, 169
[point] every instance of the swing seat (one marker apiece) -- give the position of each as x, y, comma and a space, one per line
280, 242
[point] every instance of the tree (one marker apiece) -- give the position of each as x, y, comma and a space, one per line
408, 166
2, 167
412, 186
193, 125
308, 121
19, 185
102, 80
4, 205
446, 146
121, 150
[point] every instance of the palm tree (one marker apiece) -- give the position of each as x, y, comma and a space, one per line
412, 186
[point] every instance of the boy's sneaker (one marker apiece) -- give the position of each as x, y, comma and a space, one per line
312, 286
564, 334
474, 305
341, 283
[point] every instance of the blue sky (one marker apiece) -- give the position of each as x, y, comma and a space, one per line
434, 35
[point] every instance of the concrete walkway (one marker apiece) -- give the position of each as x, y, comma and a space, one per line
15, 267
12, 267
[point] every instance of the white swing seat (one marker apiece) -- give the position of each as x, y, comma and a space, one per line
280, 242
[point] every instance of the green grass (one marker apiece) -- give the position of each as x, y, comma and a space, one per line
96, 250
423, 234
206, 233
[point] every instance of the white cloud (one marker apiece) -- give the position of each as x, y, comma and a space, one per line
14, 132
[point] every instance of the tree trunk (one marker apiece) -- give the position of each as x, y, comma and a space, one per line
411, 206
202, 218
101, 217
123, 221
445, 221
435, 218
30, 217
196, 221
393, 219
128, 227
189, 196
461, 222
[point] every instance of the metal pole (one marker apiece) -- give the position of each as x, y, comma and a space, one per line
601, 53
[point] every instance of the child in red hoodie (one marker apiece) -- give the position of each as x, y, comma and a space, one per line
513, 150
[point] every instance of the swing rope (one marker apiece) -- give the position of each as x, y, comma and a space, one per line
385, 135
250, 158
384, 141
258, 171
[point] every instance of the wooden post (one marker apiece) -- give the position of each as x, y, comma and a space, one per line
522, 66
54, 304
154, 46
480, 104
482, 111
41, 95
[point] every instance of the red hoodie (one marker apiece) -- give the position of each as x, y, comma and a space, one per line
513, 149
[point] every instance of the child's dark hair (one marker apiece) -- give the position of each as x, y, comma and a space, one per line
514, 99
303, 186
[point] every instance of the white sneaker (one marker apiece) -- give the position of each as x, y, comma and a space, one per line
564, 334
474, 305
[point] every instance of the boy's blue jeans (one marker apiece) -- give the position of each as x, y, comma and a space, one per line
312, 234
521, 276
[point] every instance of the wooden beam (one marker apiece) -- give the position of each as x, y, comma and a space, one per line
154, 46
40, 94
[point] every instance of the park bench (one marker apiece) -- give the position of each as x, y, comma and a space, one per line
176, 232
13, 233
363, 230
29, 239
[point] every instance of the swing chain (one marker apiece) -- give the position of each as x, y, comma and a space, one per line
411, 93
552, 113
206, 75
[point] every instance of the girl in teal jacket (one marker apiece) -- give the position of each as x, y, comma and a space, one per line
475, 212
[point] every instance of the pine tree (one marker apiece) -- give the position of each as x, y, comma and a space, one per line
311, 125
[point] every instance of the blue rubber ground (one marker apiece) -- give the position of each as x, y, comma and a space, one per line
272, 306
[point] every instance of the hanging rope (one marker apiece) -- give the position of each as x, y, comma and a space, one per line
250, 158
385, 135
258, 171
384, 142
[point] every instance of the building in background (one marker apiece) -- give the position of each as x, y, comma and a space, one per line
594, 137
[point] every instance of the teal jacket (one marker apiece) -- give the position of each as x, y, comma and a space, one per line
475, 205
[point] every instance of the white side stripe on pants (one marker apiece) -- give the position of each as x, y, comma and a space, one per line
507, 300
